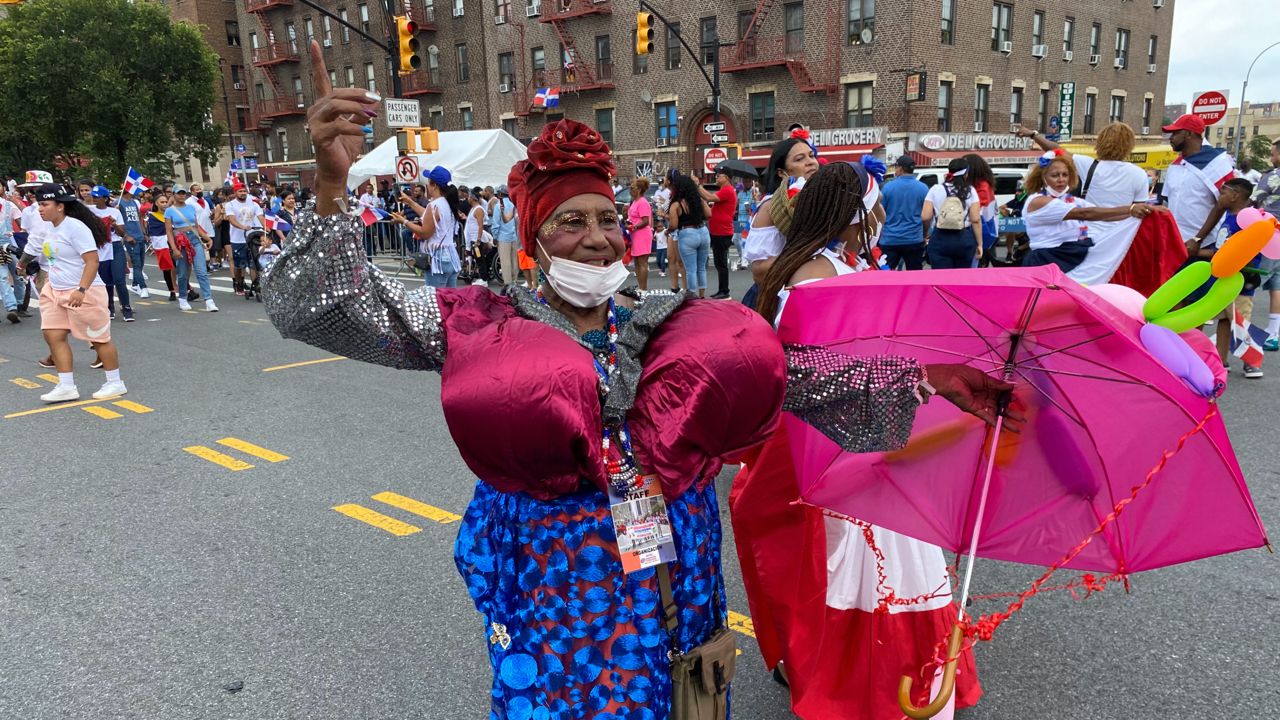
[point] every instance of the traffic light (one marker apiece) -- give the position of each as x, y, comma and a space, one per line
644, 33
407, 34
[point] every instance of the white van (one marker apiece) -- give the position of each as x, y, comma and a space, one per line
1007, 180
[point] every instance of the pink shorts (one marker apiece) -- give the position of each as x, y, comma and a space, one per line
90, 322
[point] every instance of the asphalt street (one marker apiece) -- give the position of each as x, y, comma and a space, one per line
259, 530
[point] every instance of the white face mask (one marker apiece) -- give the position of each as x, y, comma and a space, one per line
1056, 193
582, 285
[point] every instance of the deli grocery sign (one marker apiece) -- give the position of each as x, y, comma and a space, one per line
848, 136
941, 142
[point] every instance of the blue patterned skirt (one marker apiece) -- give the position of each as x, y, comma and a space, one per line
570, 635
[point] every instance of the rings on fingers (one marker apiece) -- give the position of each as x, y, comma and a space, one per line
350, 117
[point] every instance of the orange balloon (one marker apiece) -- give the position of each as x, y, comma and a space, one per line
1240, 248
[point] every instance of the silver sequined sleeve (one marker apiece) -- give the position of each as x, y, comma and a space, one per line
321, 290
863, 404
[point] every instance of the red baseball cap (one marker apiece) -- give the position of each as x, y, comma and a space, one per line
1190, 123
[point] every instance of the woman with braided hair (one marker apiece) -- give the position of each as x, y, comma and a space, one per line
812, 578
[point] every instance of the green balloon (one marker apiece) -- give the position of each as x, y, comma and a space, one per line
1220, 296
1176, 289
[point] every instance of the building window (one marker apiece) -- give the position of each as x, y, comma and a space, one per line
946, 89
271, 156
793, 21
346, 33
435, 119
1090, 106
1153, 44
1037, 28
604, 57
333, 78
1095, 39
291, 33
464, 67
233, 33
707, 37
369, 142
242, 118
1068, 34
981, 96
1042, 112
1117, 109
859, 105
326, 26
762, 124
363, 9
948, 22
309, 27
639, 63
538, 62
568, 65
673, 46
284, 145
665, 122
1001, 24
506, 69
350, 73
604, 124
458, 8
237, 74
1015, 106
370, 83
862, 22
253, 40
468, 119
744, 22
1122, 47
510, 126
503, 9
297, 92
260, 91
1146, 115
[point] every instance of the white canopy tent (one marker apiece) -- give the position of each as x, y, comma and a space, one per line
475, 157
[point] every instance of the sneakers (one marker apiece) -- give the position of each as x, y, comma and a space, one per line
173, 297
113, 313
1271, 345
210, 306
143, 293
109, 389
128, 314
13, 317
720, 296
45, 362
133, 289
61, 393
1252, 372
183, 304
192, 295
97, 363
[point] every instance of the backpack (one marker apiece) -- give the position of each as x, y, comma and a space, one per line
951, 216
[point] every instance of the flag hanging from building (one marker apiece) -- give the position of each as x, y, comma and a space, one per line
1246, 339
135, 183
547, 97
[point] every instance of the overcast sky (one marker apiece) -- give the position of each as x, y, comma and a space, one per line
1213, 44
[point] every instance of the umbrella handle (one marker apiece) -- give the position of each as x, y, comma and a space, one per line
944, 692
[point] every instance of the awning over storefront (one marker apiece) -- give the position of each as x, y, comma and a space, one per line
1020, 158
759, 157
1149, 157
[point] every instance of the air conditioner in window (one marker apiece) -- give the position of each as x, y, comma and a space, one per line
504, 87
662, 142
457, 11
977, 127
1157, 4
1006, 47
1151, 68
1039, 50
328, 42
1119, 64
1146, 130
533, 10
1068, 56
1095, 59
238, 86
499, 19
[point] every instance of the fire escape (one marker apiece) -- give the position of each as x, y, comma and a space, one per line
757, 50
576, 74
267, 58
426, 81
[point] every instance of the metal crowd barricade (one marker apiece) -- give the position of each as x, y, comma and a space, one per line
385, 239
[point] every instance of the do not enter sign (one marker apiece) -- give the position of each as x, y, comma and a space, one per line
1210, 107
713, 157
407, 169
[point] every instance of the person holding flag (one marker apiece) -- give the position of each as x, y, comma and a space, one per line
135, 237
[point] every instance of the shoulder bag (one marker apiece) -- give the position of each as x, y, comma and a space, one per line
699, 678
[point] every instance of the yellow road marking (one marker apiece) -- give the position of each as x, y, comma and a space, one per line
249, 448
23, 382
50, 408
377, 519
741, 623
101, 412
300, 364
246, 322
430, 512
217, 458
190, 312
130, 405
49, 377
141, 302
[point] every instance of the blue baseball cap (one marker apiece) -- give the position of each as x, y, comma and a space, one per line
99, 191
439, 175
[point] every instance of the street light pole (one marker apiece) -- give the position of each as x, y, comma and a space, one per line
1240, 112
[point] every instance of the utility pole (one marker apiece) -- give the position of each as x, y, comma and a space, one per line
226, 108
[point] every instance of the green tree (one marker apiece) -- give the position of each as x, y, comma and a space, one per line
1259, 149
115, 81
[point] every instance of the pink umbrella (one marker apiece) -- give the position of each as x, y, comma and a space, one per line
1101, 412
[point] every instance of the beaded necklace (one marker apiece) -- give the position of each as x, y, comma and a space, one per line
620, 467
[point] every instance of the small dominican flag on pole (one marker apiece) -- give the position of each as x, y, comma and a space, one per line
272, 222
230, 179
372, 215
134, 182
547, 97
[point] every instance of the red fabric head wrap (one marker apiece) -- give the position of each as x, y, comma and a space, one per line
566, 160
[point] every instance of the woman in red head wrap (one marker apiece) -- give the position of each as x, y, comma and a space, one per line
628, 393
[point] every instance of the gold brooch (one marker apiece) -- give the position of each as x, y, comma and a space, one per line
499, 636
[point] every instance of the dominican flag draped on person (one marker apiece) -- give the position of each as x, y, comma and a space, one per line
547, 97
1246, 339
135, 183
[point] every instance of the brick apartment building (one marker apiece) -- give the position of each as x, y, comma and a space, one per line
973, 68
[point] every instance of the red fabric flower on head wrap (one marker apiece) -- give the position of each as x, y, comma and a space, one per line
567, 159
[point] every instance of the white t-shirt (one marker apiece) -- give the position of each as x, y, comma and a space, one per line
938, 193
9, 213
246, 212
60, 254
204, 215
1115, 184
107, 253
1047, 226
268, 256
662, 199
36, 227
761, 243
